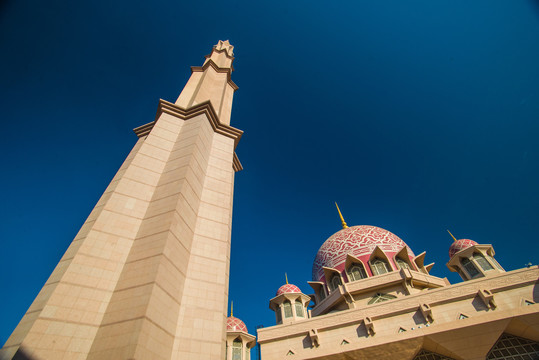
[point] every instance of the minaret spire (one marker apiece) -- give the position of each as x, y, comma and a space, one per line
211, 82
189, 151
454, 239
286, 278
232, 308
344, 226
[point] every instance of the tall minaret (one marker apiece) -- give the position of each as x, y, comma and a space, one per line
146, 277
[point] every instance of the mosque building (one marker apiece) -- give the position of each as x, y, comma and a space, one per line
375, 299
147, 275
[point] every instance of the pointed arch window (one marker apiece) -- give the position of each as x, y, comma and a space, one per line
481, 261
278, 315
287, 309
356, 272
470, 267
402, 264
379, 266
335, 282
237, 349
299, 308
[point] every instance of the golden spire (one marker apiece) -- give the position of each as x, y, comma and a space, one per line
451, 235
344, 226
231, 308
286, 278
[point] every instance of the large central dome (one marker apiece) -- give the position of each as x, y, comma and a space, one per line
358, 241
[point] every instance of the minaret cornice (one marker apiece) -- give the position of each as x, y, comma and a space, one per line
219, 52
214, 66
205, 108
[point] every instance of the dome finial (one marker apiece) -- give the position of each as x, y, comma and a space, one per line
344, 226
454, 239
286, 277
232, 308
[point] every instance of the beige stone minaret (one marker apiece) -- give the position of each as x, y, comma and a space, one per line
146, 277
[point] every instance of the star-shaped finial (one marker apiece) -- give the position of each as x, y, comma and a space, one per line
225, 45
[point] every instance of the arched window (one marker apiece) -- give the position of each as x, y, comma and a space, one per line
480, 259
236, 349
278, 315
379, 297
356, 272
470, 267
287, 309
335, 282
299, 308
402, 264
379, 266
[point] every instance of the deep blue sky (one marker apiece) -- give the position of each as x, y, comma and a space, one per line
416, 116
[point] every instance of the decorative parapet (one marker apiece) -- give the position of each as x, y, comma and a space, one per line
373, 282
405, 304
205, 108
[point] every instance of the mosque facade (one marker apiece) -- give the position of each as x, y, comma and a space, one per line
147, 277
372, 298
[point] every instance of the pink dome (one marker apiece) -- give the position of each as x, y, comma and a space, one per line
288, 288
460, 245
235, 324
358, 241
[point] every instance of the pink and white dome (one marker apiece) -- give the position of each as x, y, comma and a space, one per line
288, 288
235, 324
358, 241
460, 245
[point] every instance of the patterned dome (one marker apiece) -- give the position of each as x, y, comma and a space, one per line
460, 245
288, 288
235, 324
358, 241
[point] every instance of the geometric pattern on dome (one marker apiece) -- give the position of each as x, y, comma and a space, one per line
357, 241
288, 288
459, 245
235, 324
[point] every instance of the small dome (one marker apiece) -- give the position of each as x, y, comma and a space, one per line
235, 324
359, 241
460, 245
288, 288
